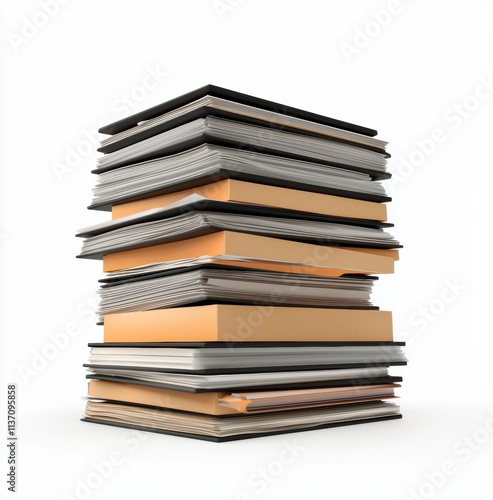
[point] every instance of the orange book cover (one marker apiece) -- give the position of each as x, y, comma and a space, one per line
248, 323
341, 260
260, 194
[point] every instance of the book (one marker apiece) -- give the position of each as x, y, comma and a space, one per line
235, 426
259, 194
209, 163
212, 130
291, 399
236, 356
262, 253
227, 402
245, 323
225, 103
223, 262
265, 380
195, 216
178, 287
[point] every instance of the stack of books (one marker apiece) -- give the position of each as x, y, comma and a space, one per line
244, 243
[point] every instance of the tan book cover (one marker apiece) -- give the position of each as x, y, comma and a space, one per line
260, 194
210, 402
340, 260
259, 401
204, 402
248, 323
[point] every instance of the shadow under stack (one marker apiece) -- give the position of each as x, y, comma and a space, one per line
244, 243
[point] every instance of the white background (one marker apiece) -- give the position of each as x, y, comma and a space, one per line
414, 75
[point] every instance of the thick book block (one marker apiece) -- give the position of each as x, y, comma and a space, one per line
258, 194
209, 163
210, 402
304, 257
232, 323
233, 96
221, 428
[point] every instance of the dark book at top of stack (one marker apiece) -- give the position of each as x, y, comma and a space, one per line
240, 259
214, 133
